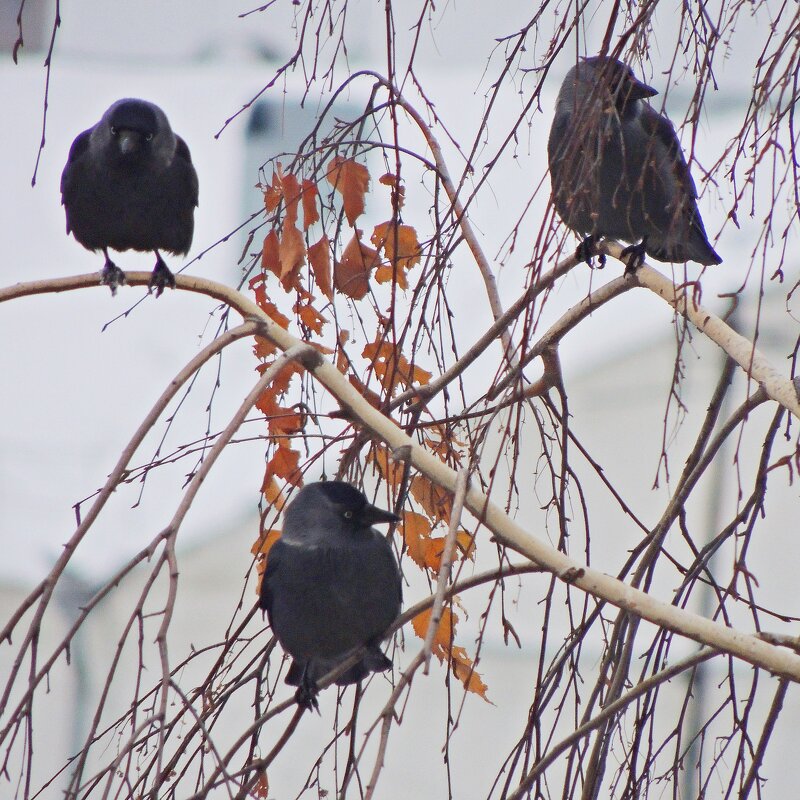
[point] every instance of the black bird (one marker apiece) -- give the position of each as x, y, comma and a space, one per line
331, 586
129, 184
617, 168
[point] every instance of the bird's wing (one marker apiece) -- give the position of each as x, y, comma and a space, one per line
185, 158
79, 147
274, 558
663, 133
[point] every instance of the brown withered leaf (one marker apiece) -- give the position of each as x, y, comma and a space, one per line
270, 253
351, 274
272, 492
292, 252
319, 256
290, 187
437, 502
386, 273
310, 317
399, 244
464, 670
284, 464
391, 367
351, 180
425, 550
280, 383
398, 190
273, 193
271, 310
280, 419
391, 471
443, 637
310, 213
416, 533
263, 348
262, 545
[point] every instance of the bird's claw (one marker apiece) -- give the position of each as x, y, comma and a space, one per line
161, 278
112, 276
587, 250
633, 256
306, 696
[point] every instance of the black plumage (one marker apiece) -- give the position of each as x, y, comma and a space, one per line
129, 184
331, 586
617, 168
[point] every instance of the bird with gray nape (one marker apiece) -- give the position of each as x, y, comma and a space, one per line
331, 586
617, 168
129, 184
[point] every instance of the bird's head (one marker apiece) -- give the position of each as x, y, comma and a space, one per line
326, 508
617, 78
135, 128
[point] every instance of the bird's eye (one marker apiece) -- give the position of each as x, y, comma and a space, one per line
348, 515
114, 131
148, 137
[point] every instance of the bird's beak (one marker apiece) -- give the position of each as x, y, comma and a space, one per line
639, 90
129, 142
371, 515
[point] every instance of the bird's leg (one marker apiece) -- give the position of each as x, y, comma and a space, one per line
633, 256
112, 275
161, 277
307, 691
587, 249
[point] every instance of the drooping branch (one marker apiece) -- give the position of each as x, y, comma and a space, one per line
506, 530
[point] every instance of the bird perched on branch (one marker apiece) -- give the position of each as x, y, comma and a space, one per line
617, 168
129, 184
331, 586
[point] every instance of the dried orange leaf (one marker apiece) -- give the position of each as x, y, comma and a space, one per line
351, 274
271, 310
437, 502
416, 533
386, 273
391, 471
292, 251
399, 244
398, 190
273, 194
263, 348
391, 367
351, 180
311, 318
291, 198
262, 545
284, 464
270, 253
319, 256
310, 213
445, 631
464, 670
272, 493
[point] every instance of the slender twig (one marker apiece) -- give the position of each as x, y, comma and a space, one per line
444, 566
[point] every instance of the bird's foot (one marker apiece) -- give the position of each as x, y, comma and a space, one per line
112, 276
633, 256
161, 277
306, 695
587, 250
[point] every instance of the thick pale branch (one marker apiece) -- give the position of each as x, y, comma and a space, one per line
507, 531
742, 351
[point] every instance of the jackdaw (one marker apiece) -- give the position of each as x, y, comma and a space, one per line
617, 168
331, 586
129, 184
